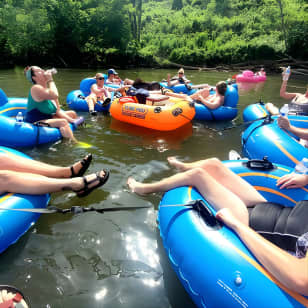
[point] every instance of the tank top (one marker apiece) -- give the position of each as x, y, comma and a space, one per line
46, 106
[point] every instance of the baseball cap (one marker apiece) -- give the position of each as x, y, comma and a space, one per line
112, 71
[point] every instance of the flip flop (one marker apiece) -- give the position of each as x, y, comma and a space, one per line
16, 300
86, 190
85, 163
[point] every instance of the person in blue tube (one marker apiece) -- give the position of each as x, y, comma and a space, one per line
232, 196
43, 102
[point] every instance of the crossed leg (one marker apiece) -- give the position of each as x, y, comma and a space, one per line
221, 187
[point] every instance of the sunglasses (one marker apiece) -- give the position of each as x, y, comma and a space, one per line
100, 78
181, 73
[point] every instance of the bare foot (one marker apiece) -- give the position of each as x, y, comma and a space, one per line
173, 161
135, 187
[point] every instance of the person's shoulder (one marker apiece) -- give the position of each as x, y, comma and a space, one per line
37, 88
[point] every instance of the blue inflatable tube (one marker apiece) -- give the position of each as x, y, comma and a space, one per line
76, 98
266, 138
254, 112
226, 112
25, 134
214, 266
13, 224
179, 88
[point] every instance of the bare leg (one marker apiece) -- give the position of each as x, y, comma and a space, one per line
218, 195
224, 176
204, 93
64, 127
91, 101
20, 164
271, 108
35, 184
70, 115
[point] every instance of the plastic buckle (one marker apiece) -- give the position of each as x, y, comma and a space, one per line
260, 164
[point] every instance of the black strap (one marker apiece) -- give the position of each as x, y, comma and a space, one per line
73, 209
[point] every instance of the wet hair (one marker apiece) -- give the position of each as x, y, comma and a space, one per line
221, 87
29, 73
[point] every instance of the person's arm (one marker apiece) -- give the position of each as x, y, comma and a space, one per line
212, 102
287, 269
39, 93
283, 89
284, 123
292, 180
168, 80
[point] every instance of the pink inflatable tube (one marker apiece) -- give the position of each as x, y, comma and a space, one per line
249, 76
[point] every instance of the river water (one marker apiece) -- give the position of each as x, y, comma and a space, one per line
115, 259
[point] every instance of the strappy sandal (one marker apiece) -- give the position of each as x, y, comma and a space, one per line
85, 163
106, 102
16, 300
86, 190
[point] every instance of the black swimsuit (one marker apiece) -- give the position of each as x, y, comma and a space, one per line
286, 227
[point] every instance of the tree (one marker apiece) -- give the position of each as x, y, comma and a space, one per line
177, 5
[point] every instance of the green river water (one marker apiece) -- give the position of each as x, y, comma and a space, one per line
114, 260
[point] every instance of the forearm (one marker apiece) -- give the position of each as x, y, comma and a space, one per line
299, 132
52, 90
210, 104
283, 91
287, 269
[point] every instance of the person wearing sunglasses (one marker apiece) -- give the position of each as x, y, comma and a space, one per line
114, 79
98, 93
177, 79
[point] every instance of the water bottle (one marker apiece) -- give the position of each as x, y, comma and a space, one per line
284, 110
302, 166
286, 74
52, 71
19, 118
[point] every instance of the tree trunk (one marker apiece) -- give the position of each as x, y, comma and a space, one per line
139, 13
283, 24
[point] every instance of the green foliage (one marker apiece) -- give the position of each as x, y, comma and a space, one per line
177, 4
192, 32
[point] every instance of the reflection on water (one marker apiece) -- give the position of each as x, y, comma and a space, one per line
153, 139
244, 87
111, 260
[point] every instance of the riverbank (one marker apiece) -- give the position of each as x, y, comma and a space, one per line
299, 68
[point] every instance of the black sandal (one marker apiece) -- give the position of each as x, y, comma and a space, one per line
85, 163
86, 190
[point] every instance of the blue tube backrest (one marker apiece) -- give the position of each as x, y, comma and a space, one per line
231, 96
3, 98
85, 85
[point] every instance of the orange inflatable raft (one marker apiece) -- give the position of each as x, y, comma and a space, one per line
159, 113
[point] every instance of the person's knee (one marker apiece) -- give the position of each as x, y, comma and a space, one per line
4, 158
197, 175
214, 163
6, 179
63, 123
72, 113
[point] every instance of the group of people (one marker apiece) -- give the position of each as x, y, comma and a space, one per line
231, 196
212, 178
